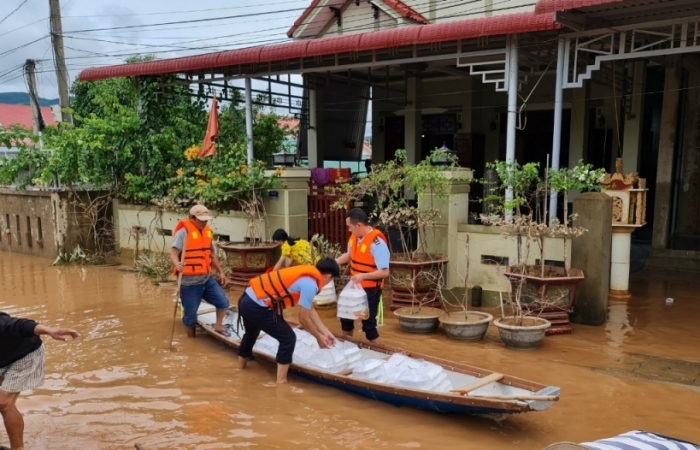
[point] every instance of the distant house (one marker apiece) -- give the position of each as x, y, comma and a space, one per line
22, 115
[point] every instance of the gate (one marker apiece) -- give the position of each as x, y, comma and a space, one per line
325, 220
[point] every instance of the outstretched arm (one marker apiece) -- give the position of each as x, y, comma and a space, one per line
59, 334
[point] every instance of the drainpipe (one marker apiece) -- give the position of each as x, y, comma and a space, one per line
558, 111
512, 109
249, 118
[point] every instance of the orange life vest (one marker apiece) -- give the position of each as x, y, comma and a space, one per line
361, 259
274, 286
197, 248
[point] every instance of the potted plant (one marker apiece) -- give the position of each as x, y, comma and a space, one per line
538, 291
226, 182
416, 274
458, 322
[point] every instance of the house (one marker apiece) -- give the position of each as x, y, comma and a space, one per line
22, 115
564, 79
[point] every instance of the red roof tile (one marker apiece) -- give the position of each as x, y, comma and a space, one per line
409, 35
22, 115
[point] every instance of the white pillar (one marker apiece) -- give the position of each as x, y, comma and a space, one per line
249, 118
558, 111
315, 156
512, 106
620, 262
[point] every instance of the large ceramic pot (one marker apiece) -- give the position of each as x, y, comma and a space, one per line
468, 326
419, 320
414, 282
247, 260
550, 296
528, 335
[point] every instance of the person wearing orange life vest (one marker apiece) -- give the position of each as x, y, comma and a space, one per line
261, 309
368, 256
194, 235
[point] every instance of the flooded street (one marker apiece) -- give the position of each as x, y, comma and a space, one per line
120, 385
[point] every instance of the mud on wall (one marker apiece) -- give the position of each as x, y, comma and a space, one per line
40, 223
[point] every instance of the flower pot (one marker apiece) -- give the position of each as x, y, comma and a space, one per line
414, 282
528, 336
248, 260
467, 326
550, 297
423, 320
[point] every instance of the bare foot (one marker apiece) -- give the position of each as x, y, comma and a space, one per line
191, 332
282, 381
242, 362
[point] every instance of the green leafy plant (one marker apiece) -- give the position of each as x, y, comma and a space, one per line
155, 265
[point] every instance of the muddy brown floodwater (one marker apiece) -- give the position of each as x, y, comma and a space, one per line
120, 385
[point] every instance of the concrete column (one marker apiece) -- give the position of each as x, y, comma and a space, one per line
667, 144
454, 210
620, 262
558, 112
413, 127
512, 107
313, 134
287, 207
592, 254
249, 118
578, 139
631, 143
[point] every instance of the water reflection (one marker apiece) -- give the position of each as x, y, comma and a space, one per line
120, 384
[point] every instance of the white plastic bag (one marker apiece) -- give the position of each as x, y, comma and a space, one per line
329, 359
352, 303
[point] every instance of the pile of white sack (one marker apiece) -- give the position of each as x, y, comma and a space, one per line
399, 370
342, 356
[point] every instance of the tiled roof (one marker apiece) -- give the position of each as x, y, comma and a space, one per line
22, 115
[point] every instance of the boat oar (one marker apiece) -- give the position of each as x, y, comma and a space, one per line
179, 286
480, 382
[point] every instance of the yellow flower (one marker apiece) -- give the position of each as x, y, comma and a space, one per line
244, 169
214, 181
198, 172
198, 192
231, 174
180, 172
192, 152
201, 183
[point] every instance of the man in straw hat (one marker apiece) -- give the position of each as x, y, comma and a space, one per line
633, 440
197, 239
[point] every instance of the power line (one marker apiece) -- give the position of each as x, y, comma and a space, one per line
13, 11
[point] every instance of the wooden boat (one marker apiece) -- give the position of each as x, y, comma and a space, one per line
480, 391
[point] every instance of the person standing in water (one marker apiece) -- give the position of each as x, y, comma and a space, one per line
262, 304
368, 256
22, 361
194, 235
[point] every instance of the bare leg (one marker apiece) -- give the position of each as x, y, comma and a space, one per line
191, 332
220, 314
14, 423
242, 362
282, 370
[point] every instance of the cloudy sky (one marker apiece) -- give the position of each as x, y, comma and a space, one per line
99, 32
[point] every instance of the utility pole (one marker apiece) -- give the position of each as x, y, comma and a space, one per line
60, 59
37, 120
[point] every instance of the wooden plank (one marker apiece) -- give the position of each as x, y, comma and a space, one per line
481, 382
542, 398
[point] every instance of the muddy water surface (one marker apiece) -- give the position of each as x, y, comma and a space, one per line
120, 384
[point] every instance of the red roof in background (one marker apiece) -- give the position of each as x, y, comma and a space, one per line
551, 6
409, 35
397, 5
22, 115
